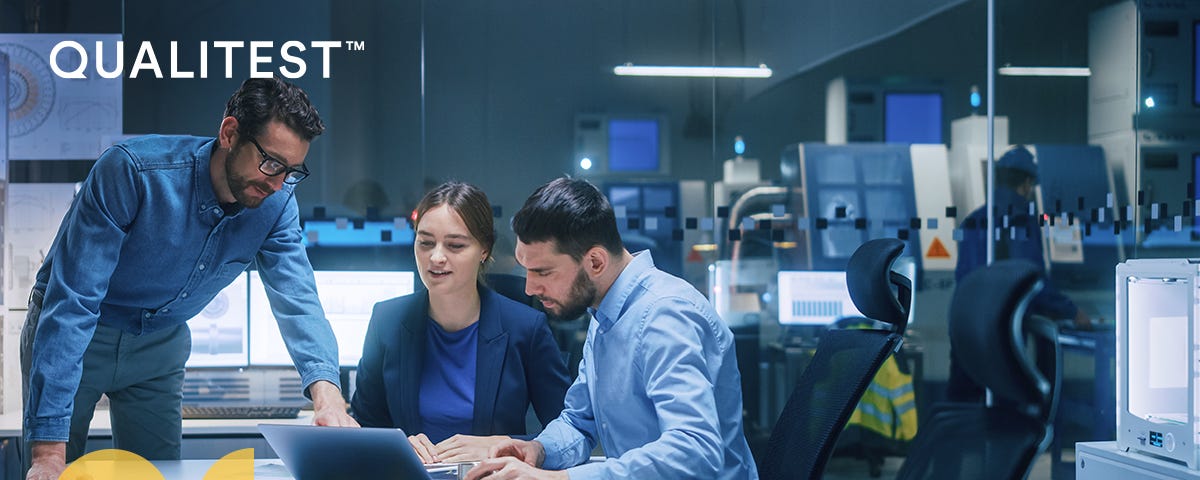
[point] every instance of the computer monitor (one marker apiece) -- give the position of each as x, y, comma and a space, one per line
912, 117
219, 336
346, 296
633, 145
814, 298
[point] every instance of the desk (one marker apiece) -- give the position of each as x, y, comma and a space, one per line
264, 469
202, 439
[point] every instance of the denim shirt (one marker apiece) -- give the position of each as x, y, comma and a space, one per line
658, 387
145, 246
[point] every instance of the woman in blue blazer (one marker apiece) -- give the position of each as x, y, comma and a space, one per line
458, 365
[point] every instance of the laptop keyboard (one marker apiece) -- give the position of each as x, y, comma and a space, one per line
239, 411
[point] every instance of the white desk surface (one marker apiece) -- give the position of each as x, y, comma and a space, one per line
10, 425
271, 469
195, 469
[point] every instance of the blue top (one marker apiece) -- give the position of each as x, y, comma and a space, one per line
517, 364
1020, 238
448, 381
145, 246
658, 387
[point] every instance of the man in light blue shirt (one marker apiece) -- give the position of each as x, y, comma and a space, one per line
658, 384
158, 228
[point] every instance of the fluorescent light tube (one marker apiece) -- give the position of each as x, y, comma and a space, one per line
760, 71
1046, 71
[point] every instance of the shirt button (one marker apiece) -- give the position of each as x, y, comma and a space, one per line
184, 295
216, 210
201, 266
165, 310
147, 314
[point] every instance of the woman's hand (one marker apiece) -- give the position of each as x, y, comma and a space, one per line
425, 448
467, 448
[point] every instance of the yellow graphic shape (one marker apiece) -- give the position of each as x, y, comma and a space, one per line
113, 464
238, 465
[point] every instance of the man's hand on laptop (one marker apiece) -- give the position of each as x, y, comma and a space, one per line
509, 468
531, 452
49, 460
329, 409
467, 448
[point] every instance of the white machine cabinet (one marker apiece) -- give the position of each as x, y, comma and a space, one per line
1158, 405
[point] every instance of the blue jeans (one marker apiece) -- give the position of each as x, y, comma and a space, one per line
143, 378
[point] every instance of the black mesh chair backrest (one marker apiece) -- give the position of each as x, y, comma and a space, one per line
987, 324
511, 286
988, 331
825, 396
878, 292
843, 366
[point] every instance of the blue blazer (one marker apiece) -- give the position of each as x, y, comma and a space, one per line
517, 364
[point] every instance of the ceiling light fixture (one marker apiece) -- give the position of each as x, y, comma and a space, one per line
629, 69
1046, 71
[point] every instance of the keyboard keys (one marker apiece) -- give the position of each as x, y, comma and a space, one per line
239, 411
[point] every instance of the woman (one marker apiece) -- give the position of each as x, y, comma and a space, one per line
458, 363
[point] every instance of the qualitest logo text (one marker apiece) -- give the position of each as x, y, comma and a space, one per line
291, 59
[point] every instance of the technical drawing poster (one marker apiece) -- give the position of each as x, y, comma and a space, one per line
52, 118
34, 212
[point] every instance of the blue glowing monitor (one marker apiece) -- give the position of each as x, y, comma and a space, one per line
219, 331
633, 145
814, 298
912, 117
346, 296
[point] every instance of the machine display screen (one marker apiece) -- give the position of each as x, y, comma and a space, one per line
814, 298
912, 117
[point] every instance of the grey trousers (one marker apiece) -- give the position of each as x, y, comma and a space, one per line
142, 376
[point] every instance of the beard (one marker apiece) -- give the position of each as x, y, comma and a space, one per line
239, 184
582, 296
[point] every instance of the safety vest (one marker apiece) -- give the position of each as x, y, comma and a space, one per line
889, 407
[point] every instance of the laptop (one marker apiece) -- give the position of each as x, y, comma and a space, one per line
334, 453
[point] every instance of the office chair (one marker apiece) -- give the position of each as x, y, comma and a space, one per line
511, 286
1003, 439
844, 364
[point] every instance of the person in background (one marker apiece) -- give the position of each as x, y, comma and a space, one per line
458, 365
658, 386
158, 228
1016, 182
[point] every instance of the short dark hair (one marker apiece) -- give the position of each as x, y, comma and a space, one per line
571, 212
260, 100
470, 203
1011, 177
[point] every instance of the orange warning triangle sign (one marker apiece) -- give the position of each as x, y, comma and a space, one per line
937, 250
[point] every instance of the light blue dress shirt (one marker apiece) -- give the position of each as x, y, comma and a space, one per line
658, 387
145, 246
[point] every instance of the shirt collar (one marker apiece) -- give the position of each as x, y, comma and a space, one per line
614, 301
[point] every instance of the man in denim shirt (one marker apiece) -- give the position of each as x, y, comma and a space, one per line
658, 384
158, 228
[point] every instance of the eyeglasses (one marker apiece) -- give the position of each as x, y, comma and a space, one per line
272, 167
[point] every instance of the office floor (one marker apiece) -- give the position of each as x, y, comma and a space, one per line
845, 468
